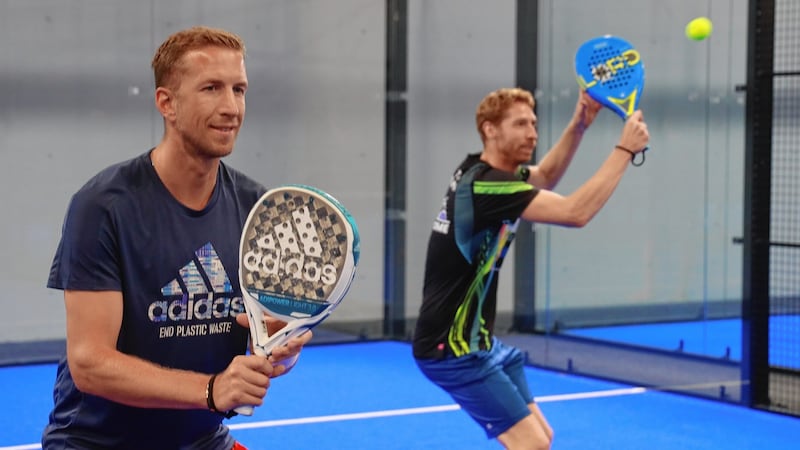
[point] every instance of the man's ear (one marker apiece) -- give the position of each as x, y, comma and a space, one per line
489, 130
165, 102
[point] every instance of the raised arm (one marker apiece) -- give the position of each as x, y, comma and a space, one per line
578, 208
552, 166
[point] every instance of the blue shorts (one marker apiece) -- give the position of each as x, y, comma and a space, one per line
489, 385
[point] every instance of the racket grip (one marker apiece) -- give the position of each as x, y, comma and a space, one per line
244, 410
247, 410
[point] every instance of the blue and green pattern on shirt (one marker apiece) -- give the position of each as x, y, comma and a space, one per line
458, 342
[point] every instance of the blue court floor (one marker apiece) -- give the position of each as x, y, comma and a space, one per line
372, 396
713, 338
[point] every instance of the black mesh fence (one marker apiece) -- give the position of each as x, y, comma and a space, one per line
784, 277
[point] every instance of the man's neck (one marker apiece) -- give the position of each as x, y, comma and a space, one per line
190, 180
493, 158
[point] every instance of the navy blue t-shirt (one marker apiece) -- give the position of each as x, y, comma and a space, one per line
177, 269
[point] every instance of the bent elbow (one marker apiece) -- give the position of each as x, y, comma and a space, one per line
82, 365
576, 218
576, 223
81, 383
81, 379
80, 376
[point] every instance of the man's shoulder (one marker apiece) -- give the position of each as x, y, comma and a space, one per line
240, 181
114, 181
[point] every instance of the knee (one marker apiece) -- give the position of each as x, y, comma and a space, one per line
549, 440
545, 444
542, 442
533, 442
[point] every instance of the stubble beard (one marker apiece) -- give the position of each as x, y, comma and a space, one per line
205, 147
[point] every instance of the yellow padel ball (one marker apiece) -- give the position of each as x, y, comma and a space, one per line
699, 28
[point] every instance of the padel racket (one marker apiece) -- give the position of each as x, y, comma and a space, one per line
297, 257
612, 73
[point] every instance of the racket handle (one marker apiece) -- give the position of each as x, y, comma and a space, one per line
247, 410
244, 410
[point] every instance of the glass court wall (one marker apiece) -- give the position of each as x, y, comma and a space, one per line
77, 96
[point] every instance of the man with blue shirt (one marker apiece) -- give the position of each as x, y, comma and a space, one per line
148, 262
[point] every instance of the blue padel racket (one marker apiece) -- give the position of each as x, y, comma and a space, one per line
297, 257
612, 73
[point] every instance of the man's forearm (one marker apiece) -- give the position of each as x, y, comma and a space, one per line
554, 164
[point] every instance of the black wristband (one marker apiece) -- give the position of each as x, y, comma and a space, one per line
210, 394
524, 173
210, 399
633, 155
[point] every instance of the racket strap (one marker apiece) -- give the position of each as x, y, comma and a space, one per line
633, 155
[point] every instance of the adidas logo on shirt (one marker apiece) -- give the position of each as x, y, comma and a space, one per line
202, 291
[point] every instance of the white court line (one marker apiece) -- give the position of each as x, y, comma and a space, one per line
595, 394
425, 410
341, 417
395, 412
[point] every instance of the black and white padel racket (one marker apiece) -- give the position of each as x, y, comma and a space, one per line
297, 258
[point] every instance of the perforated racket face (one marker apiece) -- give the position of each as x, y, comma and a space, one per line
298, 252
612, 72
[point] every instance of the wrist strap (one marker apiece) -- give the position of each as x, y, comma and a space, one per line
524, 172
210, 399
633, 155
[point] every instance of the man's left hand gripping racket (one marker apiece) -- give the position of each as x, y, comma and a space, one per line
297, 257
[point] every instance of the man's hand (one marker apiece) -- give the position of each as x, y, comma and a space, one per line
586, 110
634, 135
283, 358
244, 382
